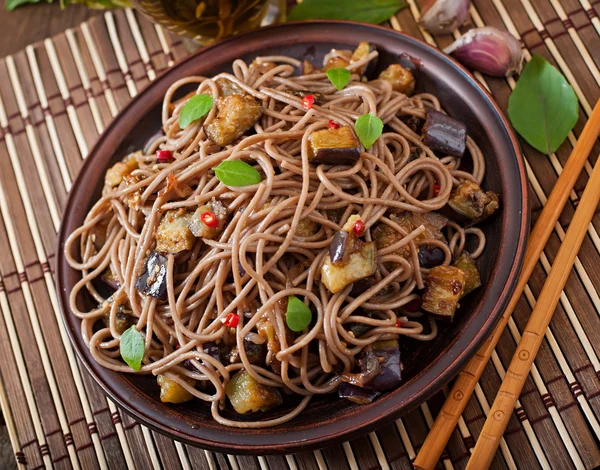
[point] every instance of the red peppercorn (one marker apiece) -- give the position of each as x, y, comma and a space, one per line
333, 125
209, 219
359, 228
436, 189
308, 101
164, 156
398, 323
231, 320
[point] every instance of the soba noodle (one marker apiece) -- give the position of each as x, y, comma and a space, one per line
259, 260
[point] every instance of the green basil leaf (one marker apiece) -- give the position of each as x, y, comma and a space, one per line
133, 348
10, 5
339, 77
368, 129
367, 11
194, 109
298, 316
237, 173
543, 107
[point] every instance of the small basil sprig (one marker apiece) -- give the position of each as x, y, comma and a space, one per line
367, 11
368, 129
132, 348
298, 316
339, 77
543, 107
196, 107
237, 173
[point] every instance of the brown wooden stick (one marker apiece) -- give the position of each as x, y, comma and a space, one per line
465, 383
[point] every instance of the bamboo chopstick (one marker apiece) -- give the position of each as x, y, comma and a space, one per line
465, 383
532, 337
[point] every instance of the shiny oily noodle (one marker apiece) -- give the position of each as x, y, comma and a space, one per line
370, 242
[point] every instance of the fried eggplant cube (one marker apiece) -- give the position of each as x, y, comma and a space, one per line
469, 200
360, 263
467, 265
247, 395
117, 173
443, 288
173, 234
227, 87
172, 392
123, 320
401, 79
306, 228
361, 52
334, 146
203, 227
236, 114
153, 281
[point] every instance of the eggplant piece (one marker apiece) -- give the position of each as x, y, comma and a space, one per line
415, 124
199, 229
431, 256
123, 320
334, 146
110, 278
469, 200
445, 134
227, 87
390, 366
361, 263
247, 395
369, 369
256, 352
172, 392
401, 79
211, 348
358, 329
153, 281
357, 394
236, 114
362, 51
444, 287
173, 234
306, 228
266, 329
337, 247
116, 173
337, 62
472, 277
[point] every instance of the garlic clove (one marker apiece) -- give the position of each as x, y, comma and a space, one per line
444, 16
488, 50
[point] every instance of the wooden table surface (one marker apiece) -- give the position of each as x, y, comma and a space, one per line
23, 26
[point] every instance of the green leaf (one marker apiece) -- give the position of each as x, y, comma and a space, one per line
543, 107
10, 5
237, 173
339, 77
368, 128
133, 348
298, 315
194, 109
367, 11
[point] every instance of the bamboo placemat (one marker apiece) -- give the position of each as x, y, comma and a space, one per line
58, 95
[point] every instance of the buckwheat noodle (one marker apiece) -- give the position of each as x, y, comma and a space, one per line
258, 260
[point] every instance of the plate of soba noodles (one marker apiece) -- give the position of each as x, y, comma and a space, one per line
292, 236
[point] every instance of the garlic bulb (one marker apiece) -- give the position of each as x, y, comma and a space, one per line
444, 16
488, 50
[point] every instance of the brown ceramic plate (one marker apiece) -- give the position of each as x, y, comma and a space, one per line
428, 366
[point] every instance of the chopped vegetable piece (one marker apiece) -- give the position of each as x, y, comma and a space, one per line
331, 124
443, 288
173, 234
123, 320
336, 63
401, 79
231, 320
361, 263
216, 219
256, 353
308, 101
227, 87
436, 189
153, 281
110, 278
467, 265
334, 146
390, 367
117, 173
171, 391
164, 156
266, 329
337, 247
445, 134
306, 228
369, 369
247, 395
359, 228
469, 200
361, 52
431, 256
237, 114
357, 394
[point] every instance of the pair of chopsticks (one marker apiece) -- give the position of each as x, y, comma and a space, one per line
533, 335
